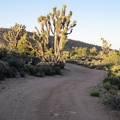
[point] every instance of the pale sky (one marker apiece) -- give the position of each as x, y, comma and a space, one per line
95, 18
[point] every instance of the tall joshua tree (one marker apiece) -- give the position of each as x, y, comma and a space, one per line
13, 35
105, 46
59, 25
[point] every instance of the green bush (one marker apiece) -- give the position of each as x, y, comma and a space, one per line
50, 71
111, 59
115, 87
2, 73
16, 63
116, 82
37, 71
108, 79
35, 60
57, 70
95, 93
43, 66
113, 81
6, 71
113, 92
61, 65
110, 74
3, 52
9, 73
107, 86
107, 99
115, 102
30, 69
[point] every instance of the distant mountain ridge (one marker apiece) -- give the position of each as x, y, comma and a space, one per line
71, 43
75, 43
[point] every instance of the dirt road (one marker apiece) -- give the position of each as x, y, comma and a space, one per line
58, 97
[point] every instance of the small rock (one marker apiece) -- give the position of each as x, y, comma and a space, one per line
72, 112
56, 115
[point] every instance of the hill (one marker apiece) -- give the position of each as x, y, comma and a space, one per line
69, 45
74, 43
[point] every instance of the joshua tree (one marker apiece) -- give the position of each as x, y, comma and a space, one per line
55, 23
93, 51
105, 46
13, 35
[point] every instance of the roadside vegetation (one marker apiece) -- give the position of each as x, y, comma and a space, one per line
105, 59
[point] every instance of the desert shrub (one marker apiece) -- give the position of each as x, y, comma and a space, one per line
22, 73
73, 57
113, 101
16, 63
110, 74
2, 77
113, 91
95, 93
57, 70
30, 69
61, 64
107, 86
116, 81
35, 60
37, 71
9, 73
79, 51
43, 66
58, 66
111, 81
111, 59
115, 87
13, 69
50, 71
108, 79
6, 71
2, 72
107, 99
3, 52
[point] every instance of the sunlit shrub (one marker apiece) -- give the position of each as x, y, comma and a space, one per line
95, 93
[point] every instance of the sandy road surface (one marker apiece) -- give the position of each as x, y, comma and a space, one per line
58, 97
